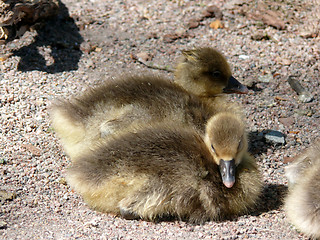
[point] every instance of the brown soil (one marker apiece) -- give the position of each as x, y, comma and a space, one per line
68, 55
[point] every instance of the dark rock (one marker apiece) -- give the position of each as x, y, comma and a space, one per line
169, 38
275, 137
214, 11
193, 23
259, 36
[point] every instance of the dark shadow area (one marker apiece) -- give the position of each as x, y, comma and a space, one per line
271, 198
59, 34
257, 144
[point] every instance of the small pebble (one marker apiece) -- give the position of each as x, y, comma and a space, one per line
265, 78
275, 137
243, 57
288, 121
193, 23
3, 225
305, 97
144, 56
93, 223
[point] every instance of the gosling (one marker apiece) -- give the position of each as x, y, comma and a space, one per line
128, 103
302, 204
167, 170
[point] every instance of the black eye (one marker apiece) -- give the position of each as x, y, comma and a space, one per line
216, 74
213, 148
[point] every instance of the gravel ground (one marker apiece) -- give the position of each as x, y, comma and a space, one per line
60, 60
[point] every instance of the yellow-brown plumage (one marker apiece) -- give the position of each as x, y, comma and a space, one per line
167, 170
205, 72
302, 203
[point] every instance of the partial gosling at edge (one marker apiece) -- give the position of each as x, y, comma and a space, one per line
302, 204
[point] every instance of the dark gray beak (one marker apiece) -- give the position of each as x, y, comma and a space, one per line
234, 86
228, 172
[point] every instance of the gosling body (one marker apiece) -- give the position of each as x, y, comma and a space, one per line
124, 105
302, 203
163, 171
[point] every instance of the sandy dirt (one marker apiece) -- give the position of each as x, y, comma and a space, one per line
98, 43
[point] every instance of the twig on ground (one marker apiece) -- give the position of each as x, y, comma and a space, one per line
151, 65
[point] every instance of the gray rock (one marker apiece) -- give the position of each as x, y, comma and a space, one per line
305, 97
275, 137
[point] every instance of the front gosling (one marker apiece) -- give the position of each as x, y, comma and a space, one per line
168, 170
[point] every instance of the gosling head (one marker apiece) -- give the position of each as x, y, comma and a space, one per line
226, 138
206, 73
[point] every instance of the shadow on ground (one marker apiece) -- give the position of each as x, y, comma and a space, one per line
257, 144
61, 36
271, 199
